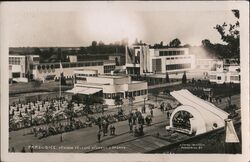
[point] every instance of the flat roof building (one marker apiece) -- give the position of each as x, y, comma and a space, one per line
110, 86
141, 59
225, 74
42, 70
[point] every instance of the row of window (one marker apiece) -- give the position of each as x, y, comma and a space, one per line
127, 94
80, 78
15, 60
178, 66
232, 78
235, 78
171, 53
108, 69
213, 77
69, 65
176, 58
86, 74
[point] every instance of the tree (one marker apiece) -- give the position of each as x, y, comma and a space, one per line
87, 100
118, 100
231, 36
70, 111
184, 78
37, 51
175, 43
94, 43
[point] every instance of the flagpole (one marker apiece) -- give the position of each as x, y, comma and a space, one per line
60, 84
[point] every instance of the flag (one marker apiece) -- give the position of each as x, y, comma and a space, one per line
130, 55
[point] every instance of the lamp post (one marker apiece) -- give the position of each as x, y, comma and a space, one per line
144, 106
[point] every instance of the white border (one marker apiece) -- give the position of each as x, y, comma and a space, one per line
243, 6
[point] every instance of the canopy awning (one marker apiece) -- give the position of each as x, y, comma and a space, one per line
76, 90
90, 91
84, 90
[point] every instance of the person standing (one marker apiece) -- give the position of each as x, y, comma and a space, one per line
99, 136
23, 150
31, 148
151, 112
13, 149
113, 130
130, 128
168, 114
61, 137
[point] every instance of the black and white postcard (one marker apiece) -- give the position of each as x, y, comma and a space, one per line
125, 81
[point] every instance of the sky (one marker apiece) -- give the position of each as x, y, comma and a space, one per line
78, 24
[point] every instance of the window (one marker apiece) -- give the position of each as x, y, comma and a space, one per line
156, 65
234, 78
219, 78
213, 77
57, 66
108, 69
178, 66
142, 92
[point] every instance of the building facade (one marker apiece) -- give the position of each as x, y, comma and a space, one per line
141, 59
225, 74
110, 86
17, 68
43, 70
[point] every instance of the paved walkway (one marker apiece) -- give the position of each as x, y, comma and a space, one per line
85, 140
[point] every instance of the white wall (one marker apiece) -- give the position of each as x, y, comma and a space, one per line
66, 71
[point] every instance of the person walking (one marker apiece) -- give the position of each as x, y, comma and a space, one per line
168, 114
151, 112
23, 150
99, 136
113, 130
130, 128
31, 148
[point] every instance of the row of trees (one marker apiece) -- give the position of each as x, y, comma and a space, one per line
175, 43
57, 54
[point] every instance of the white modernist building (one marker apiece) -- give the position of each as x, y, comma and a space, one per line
205, 115
21, 66
87, 82
42, 71
17, 66
225, 74
142, 59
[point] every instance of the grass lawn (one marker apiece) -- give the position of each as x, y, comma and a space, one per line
18, 88
222, 90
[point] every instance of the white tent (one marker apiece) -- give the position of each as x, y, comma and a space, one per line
206, 116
